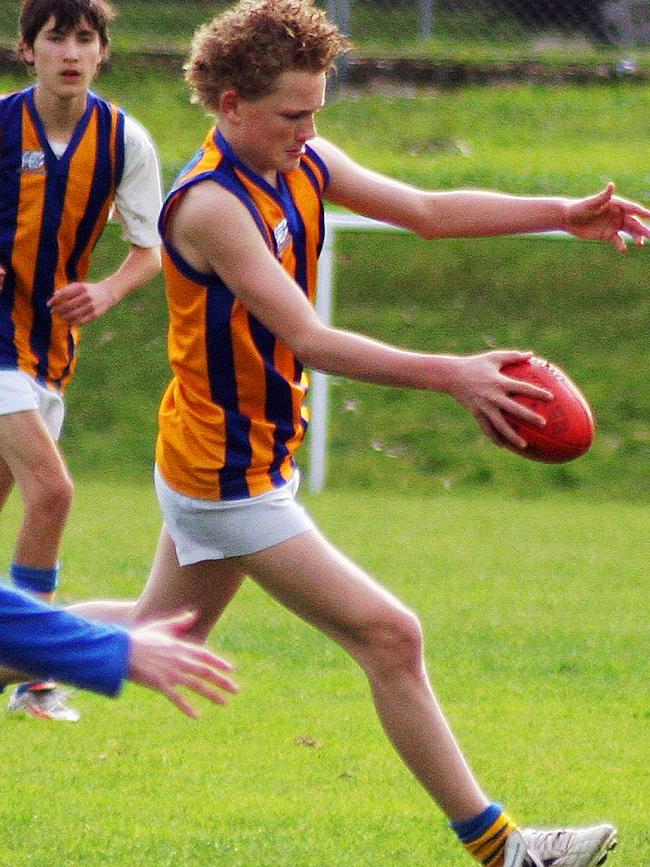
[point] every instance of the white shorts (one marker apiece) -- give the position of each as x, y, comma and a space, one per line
217, 529
20, 392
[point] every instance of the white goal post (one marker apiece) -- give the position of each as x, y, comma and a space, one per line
319, 391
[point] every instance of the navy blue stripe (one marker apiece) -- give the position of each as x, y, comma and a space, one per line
120, 151
309, 172
223, 390
321, 165
278, 407
101, 190
11, 111
298, 234
48, 248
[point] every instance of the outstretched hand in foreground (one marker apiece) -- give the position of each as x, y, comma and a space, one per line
159, 659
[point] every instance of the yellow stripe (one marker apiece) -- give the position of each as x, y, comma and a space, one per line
488, 847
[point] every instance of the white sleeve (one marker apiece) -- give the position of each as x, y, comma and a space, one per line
138, 198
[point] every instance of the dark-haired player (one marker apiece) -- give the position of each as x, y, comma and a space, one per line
67, 157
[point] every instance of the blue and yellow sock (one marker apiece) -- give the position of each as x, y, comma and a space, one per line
484, 836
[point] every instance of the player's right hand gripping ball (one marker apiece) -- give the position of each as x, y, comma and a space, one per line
569, 430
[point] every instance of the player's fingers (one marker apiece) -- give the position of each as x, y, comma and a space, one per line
498, 430
181, 703
524, 413
528, 389
636, 228
197, 655
633, 207
505, 431
64, 293
597, 202
503, 357
192, 668
196, 684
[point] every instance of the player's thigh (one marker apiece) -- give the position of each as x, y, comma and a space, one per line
29, 452
205, 588
311, 577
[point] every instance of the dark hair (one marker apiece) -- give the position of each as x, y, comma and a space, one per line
67, 13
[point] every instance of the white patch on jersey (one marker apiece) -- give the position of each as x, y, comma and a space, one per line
33, 163
282, 236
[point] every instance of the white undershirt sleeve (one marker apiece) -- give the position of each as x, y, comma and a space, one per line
138, 198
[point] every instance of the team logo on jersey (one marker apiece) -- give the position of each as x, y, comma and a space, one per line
33, 163
282, 236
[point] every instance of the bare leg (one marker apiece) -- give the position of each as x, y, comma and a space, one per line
310, 577
32, 459
205, 588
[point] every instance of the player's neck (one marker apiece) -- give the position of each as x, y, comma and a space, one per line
248, 155
59, 115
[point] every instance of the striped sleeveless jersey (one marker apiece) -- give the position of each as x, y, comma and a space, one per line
234, 415
52, 212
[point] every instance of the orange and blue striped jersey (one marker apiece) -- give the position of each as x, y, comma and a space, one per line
234, 413
52, 212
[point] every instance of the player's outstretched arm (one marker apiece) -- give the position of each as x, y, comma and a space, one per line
478, 213
161, 660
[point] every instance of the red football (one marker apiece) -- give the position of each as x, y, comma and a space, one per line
569, 430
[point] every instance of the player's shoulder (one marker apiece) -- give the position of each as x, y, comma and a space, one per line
11, 98
202, 195
333, 157
326, 150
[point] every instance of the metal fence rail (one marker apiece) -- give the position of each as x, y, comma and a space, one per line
601, 22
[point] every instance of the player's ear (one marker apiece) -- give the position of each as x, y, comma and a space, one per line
26, 51
229, 102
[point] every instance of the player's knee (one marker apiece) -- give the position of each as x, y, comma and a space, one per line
53, 500
394, 644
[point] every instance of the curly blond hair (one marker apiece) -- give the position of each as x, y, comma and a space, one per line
248, 46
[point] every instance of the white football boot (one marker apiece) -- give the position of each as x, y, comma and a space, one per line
568, 847
45, 700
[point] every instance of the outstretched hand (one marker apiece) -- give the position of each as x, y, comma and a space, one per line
161, 660
604, 217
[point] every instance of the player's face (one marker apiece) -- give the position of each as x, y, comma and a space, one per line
270, 133
65, 63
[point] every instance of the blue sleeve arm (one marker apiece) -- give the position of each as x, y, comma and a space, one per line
50, 642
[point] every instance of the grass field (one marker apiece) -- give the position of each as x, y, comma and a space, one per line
535, 616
